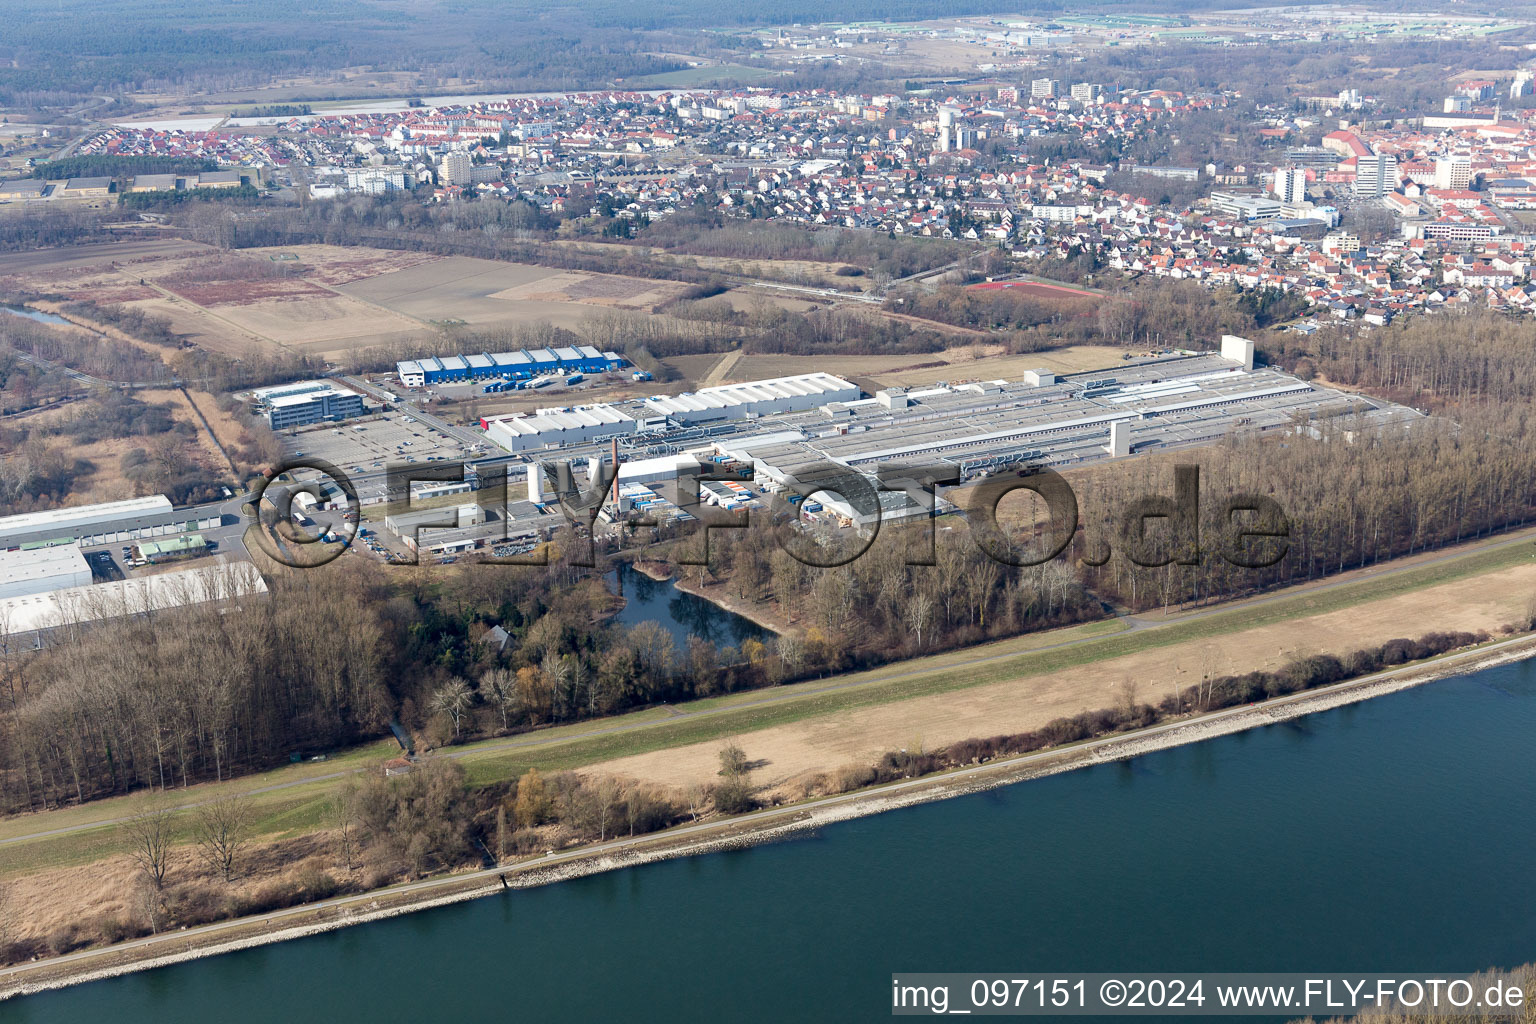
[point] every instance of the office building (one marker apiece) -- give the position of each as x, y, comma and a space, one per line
1375, 175
1290, 185
310, 401
1453, 172
457, 169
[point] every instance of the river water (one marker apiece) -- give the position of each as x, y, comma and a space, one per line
1398, 834
32, 314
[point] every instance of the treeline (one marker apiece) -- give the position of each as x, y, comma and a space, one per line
1209, 694
998, 309
1353, 493
1151, 313
112, 165
105, 358
150, 327
708, 232
30, 229
208, 689
276, 110
1446, 361
518, 231
877, 608
35, 473
74, 55
166, 198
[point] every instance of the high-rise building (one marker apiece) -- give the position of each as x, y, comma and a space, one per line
946, 138
1085, 92
1453, 172
1290, 185
457, 168
1521, 86
1375, 175
1042, 88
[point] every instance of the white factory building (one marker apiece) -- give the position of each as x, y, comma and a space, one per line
553, 428
108, 523
41, 570
755, 398
38, 614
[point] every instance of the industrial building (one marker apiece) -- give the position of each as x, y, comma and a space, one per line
520, 365
755, 398
186, 545
308, 401
557, 427
108, 523
562, 427
984, 427
35, 615
41, 570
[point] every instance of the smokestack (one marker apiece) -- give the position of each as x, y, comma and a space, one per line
535, 484
614, 497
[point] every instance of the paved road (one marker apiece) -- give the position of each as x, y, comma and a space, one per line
757, 819
802, 691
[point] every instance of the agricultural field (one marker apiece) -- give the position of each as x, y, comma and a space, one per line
489, 293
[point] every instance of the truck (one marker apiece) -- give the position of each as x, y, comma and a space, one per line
574, 378
543, 382
640, 375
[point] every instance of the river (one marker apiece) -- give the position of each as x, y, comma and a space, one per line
32, 314
1396, 834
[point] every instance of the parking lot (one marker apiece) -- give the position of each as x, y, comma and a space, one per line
367, 446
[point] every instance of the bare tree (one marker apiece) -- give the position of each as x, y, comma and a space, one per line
222, 829
605, 794
499, 685
343, 815
696, 795
150, 829
451, 699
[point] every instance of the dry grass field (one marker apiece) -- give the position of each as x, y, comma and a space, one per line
106, 481
823, 743
331, 301
338, 264
490, 293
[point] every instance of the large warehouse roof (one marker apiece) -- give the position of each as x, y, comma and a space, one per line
82, 515
39, 565
555, 422
131, 596
776, 390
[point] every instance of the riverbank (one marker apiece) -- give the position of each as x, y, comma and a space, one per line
758, 827
751, 611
